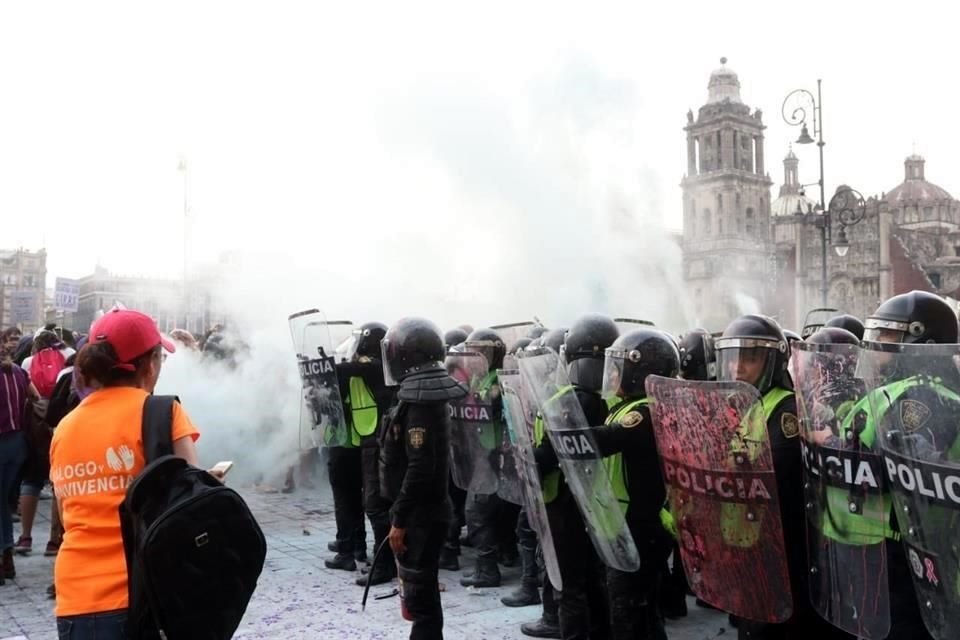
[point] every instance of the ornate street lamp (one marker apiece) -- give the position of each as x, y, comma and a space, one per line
847, 206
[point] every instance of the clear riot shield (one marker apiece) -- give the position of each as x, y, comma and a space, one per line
914, 395
580, 460
511, 333
844, 492
718, 467
475, 430
520, 417
322, 421
342, 338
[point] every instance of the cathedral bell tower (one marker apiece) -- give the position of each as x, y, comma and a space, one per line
728, 256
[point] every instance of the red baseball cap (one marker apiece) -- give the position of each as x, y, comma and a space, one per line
130, 333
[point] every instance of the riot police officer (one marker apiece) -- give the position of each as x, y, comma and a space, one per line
483, 510
357, 381
548, 625
414, 466
449, 557
633, 466
365, 400
754, 349
924, 406
582, 604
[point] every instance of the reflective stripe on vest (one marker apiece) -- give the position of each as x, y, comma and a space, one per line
740, 523
363, 410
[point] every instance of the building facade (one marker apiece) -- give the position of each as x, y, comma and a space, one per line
23, 276
726, 206
742, 253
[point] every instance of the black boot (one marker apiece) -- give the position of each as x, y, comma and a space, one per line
336, 546
509, 557
383, 573
542, 628
342, 561
487, 575
449, 559
526, 595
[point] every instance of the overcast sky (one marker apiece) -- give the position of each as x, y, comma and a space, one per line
310, 128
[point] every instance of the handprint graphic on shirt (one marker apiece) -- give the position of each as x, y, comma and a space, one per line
126, 454
113, 460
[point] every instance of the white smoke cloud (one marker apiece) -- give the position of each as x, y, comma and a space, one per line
491, 207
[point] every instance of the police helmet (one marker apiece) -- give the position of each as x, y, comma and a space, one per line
833, 335
520, 345
488, 342
910, 318
584, 346
454, 337
634, 356
368, 337
848, 322
410, 346
753, 349
698, 359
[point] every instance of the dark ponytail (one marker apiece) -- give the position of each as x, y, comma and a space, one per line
98, 364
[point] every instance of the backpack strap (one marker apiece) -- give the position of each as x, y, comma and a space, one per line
157, 427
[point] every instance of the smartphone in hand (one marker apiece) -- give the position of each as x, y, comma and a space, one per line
223, 467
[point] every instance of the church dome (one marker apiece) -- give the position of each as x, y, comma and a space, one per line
791, 204
724, 85
792, 200
915, 188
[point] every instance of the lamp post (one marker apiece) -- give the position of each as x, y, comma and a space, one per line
846, 205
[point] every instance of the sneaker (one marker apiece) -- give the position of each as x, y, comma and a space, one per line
52, 549
46, 494
24, 546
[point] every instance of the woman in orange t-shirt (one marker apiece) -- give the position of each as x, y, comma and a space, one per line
96, 453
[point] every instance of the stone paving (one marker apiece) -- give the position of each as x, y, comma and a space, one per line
299, 598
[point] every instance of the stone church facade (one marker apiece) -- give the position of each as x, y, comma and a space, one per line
743, 253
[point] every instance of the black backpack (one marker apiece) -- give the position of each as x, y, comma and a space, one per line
194, 551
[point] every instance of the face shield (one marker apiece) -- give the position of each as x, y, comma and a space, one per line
388, 378
613, 367
750, 360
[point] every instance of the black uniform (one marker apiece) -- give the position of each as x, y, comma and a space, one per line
788, 464
633, 596
373, 504
583, 602
414, 459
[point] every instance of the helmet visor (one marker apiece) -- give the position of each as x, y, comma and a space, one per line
388, 378
747, 360
612, 373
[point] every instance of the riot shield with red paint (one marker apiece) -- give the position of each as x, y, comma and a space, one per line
718, 466
520, 421
845, 494
475, 430
914, 394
